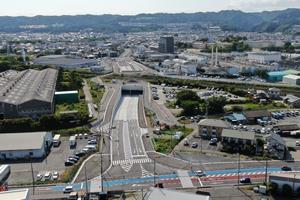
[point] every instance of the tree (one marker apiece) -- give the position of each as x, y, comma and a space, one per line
190, 107
216, 105
186, 95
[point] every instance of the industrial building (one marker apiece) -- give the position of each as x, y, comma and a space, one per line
166, 44
66, 97
277, 76
65, 61
291, 79
264, 57
24, 145
28, 93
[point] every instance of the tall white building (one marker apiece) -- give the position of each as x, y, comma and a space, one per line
264, 57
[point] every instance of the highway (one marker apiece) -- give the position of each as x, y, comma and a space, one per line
126, 136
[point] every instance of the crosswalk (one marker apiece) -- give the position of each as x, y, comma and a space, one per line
145, 173
131, 161
241, 174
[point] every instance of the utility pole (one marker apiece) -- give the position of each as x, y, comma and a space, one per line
32, 174
154, 173
86, 183
266, 173
238, 171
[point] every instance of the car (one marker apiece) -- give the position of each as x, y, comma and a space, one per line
73, 159
245, 180
80, 153
194, 145
186, 142
200, 173
86, 136
286, 168
47, 176
213, 141
55, 175
39, 177
85, 150
76, 157
92, 142
297, 143
68, 189
80, 136
69, 163
76, 136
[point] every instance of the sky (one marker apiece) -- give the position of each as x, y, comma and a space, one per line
132, 7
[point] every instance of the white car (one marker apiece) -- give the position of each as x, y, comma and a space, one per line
200, 173
68, 189
55, 175
39, 177
297, 143
47, 176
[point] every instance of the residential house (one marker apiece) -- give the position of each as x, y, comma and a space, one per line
211, 128
292, 100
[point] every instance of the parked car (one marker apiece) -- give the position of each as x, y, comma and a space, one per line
245, 180
69, 163
47, 176
297, 143
68, 189
39, 177
213, 141
92, 142
80, 136
286, 168
80, 153
73, 159
194, 145
76, 157
55, 175
86, 136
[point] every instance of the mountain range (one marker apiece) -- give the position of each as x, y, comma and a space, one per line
233, 20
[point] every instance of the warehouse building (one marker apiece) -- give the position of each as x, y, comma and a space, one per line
28, 93
291, 79
277, 76
65, 61
66, 97
25, 145
264, 57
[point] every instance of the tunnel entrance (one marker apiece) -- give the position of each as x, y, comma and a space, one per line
132, 89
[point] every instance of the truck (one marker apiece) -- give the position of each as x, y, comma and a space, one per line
72, 141
56, 140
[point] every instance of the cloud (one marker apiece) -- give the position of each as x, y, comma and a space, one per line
261, 5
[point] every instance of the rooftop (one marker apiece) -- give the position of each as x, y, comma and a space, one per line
62, 60
257, 113
66, 92
238, 134
165, 194
19, 87
292, 76
213, 122
21, 141
15, 194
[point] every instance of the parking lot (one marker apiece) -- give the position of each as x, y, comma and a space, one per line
54, 162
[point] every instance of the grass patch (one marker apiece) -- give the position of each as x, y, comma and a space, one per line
96, 91
165, 143
170, 104
81, 107
258, 106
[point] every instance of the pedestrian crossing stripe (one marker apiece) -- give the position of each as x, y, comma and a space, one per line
242, 174
131, 161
